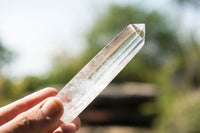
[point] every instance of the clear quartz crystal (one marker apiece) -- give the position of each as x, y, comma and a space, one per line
100, 71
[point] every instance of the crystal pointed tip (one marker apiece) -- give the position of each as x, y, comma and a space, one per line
139, 28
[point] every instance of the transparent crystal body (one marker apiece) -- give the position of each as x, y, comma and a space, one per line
100, 71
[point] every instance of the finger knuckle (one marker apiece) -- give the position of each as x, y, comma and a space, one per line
29, 123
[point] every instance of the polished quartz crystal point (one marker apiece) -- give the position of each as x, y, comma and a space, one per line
100, 71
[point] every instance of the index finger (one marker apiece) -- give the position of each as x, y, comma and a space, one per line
12, 110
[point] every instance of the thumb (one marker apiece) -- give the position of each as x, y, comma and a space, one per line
39, 119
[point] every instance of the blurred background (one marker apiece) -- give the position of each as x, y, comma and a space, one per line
46, 42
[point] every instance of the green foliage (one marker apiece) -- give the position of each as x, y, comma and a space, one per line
64, 68
182, 115
5, 57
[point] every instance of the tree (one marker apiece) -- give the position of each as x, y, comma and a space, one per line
161, 42
5, 55
194, 3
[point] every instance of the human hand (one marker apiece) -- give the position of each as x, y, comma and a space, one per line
36, 113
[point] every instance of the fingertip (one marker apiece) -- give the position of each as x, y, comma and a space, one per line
52, 107
69, 128
51, 90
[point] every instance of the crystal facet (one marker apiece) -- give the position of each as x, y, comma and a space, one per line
100, 71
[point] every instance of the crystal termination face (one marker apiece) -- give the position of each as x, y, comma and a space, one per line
100, 71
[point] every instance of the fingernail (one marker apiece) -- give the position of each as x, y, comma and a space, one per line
52, 108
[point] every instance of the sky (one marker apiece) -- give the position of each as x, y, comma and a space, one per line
37, 30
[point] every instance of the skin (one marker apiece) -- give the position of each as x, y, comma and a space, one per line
39, 112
